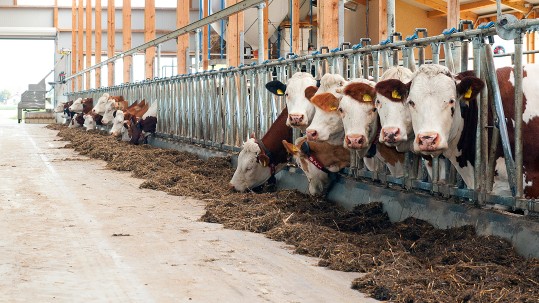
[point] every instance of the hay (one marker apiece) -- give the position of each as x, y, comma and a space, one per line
409, 261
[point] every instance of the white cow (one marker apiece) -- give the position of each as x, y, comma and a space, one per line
326, 124
108, 115
76, 106
251, 171
297, 91
59, 107
99, 108
433, 97
117, 123
73, 123
89, 122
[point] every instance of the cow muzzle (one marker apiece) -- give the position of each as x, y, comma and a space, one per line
296, 119
312, 135
428, 141
355, 141
391, 135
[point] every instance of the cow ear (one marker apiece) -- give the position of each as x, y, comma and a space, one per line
276, 87
326, 102
290, 148
310, 91
360, 92
393, 89
263, 159
469, 88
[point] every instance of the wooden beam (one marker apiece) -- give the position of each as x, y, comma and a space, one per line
15, 2
232, 37
205, 34
80, 56
463, 8
55, 14
88, 41
182, 19
73, 41
149, 34
439, 5
98, 37
530, 45
126, 21
328, 25
266, 32
382, 20
517, 5
111, 25
295, 28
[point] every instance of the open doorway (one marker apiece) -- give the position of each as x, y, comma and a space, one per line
22, 62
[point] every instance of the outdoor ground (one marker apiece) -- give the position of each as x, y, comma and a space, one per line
74, 231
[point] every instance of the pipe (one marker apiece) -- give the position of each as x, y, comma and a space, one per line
209, 32
390, 17
197, 49
478, 134
341, 22
518, 115
158, 59
222, 39
261, 40
291, 10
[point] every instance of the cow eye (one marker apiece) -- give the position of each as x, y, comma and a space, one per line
411, 103
452, 101
286, 95
374, 109
340, 110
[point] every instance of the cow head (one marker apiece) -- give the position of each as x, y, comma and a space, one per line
99, 108
59, 107
297, 91
76, 106
117, 123
89, 122
332, 157
253, 167
433, 99
76, 121
396, 123
110, 107
358, 113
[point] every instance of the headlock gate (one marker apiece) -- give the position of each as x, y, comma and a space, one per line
220, 108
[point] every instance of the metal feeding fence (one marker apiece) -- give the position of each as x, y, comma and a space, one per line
220, 108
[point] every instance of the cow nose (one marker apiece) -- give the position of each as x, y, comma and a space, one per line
312, 134
231, 187
295, 118
355, 141
391, 134
427, 140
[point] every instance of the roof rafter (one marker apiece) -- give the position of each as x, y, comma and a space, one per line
463, 8
441, 6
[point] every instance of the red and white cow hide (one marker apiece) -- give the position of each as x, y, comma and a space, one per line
318, 160
297, 91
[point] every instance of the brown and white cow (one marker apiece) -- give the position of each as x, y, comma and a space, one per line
441, 125
297, 91
260, 160
319, 161
326, 124
99, 107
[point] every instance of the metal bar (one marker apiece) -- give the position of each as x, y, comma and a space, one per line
518, 115
261, 42
480, 124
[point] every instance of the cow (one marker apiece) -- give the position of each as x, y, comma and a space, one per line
99, 107
319, 161
326, 124
260, 160
441, 125
297, 91
76, 106
76, 121
530, 125
90, 122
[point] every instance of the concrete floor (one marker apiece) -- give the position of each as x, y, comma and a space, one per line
59, 212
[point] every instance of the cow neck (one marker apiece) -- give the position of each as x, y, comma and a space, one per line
272, 144
306, 149
466, 142
373, 138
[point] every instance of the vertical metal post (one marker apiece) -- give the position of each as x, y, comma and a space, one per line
222, 39
435, 46
341, 22
291, 9
261, 41
158, 63
375, 66
390, 17
242, 47
518, 115
478, 184
197, 50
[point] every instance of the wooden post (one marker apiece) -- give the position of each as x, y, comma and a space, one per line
266, 35
205, 33
453, 13
126, 29
73, 42
295, 27
149, 34
111, 27
88, 41
182, 19
55, 14
328, 23
98, 32
530, 45
382, 20
232, 38
80, 57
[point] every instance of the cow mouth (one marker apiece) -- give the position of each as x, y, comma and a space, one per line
291, 123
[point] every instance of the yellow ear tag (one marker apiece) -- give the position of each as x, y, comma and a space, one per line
295, 149
280, 92
264, 163
468, 93
395, 94
367, 98
332, 108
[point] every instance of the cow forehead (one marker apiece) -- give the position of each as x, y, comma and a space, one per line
251, 146
298, 85
352, 105
438, 87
